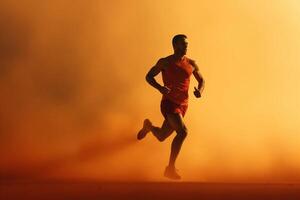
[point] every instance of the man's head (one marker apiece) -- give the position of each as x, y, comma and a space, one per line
180, 44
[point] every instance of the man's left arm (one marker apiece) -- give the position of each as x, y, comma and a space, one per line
199, 78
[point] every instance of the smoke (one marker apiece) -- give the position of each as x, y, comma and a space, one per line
59, 80
73, 93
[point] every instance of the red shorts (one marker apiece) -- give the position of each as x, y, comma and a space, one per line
168, 107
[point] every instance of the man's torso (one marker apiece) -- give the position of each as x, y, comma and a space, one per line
176, 76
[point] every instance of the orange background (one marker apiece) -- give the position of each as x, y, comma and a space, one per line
73, 92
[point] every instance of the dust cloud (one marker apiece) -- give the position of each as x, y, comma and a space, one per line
73, 93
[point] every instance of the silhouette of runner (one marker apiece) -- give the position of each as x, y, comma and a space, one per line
176, 70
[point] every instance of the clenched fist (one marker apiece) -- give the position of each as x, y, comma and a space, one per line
164, 90
197, 93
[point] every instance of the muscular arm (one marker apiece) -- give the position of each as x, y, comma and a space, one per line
155, 70
198, 76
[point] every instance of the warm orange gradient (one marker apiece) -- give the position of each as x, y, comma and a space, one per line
73, 93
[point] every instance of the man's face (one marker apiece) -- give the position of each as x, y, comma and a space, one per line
181, 46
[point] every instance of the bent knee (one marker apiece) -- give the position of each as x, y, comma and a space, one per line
163, 138
182, 132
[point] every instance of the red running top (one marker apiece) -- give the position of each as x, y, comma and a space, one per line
176, 76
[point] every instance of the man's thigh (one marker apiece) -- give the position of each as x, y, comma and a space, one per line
175, 121
166, 128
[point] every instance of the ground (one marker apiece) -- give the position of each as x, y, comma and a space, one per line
11, 190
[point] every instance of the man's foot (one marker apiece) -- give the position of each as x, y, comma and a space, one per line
170, 172
146, 128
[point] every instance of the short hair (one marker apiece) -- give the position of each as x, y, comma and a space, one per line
178, 37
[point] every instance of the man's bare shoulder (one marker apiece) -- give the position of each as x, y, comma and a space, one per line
163, 62
194, 64
191, 61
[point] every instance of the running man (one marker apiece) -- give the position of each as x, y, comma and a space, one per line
176, 70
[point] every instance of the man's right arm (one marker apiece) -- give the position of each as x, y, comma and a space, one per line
155, 70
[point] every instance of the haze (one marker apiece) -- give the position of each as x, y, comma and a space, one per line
74, 95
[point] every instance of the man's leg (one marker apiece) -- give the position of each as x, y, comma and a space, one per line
160, 133
176, 122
